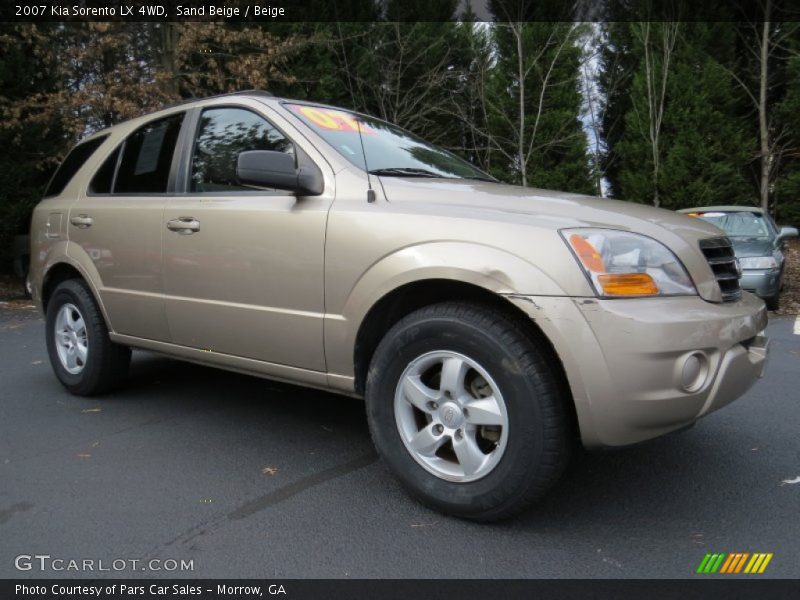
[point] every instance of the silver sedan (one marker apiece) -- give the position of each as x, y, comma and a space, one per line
758, 244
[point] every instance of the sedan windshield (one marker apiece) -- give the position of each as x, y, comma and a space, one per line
390, 151
739, 224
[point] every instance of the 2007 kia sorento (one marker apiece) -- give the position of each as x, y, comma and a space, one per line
484, 324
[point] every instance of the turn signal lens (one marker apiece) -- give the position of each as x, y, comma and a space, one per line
592, 260
628, 284
623, 264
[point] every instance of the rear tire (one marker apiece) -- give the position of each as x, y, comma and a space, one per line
83, 357
482, 445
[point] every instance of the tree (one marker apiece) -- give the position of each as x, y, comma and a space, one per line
655, 43
407, 72
27, 161
683, 143
533, 102
766, 44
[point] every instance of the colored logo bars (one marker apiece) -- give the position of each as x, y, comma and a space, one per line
738, 562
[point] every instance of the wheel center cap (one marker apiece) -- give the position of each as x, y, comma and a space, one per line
451, 415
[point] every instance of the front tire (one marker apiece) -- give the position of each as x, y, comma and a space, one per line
773, 302
467, 412
84, 359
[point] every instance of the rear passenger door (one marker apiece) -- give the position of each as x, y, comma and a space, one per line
245, 275
119, 223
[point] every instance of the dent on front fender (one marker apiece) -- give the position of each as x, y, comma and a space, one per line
488, 268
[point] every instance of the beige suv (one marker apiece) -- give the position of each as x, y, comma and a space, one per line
486, 325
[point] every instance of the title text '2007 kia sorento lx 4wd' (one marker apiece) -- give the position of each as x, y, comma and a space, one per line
486, 325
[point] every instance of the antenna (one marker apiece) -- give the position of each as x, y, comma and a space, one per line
370, 191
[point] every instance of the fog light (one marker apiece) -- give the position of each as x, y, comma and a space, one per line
693, 371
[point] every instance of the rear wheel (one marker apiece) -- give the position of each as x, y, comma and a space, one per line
83, 357
466, 410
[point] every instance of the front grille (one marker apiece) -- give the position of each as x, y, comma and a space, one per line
719, 254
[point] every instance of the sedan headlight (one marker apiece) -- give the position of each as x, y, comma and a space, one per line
758, 262
622, 264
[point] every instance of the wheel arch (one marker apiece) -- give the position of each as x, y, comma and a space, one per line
62, 270
413, 296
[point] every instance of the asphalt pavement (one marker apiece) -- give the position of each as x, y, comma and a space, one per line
249, 478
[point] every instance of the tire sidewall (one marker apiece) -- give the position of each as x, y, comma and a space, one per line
524, 446
70, 293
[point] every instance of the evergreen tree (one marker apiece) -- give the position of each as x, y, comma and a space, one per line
534, 102
682, 143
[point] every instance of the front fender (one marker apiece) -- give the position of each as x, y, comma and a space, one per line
487, 267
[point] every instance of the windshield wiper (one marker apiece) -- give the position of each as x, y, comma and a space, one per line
481, 178
406, 172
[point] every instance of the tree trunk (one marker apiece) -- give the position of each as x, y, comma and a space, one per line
167, 36
521, 140
762, 110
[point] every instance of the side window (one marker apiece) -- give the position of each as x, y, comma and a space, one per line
147, 157
71, 165
222, 134
104, 177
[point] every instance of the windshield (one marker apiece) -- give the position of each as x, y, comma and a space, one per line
390, 150
739, 224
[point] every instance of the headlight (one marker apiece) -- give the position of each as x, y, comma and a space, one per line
621, 264
758, 262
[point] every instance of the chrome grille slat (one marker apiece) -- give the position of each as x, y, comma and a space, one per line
722, 260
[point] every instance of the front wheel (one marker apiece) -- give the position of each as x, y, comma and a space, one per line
773, 302
83, 357
467, 412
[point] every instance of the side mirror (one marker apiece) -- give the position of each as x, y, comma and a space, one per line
270, 169
787, 232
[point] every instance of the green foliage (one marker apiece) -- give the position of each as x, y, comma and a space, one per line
702, 147
787, 185
505, 95
533, 101
28, 157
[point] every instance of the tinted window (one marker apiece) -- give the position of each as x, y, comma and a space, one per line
104, 178
224, 133
147, 157
72, 163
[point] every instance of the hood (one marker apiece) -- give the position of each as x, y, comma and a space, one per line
561, 208
552, 210
752, 247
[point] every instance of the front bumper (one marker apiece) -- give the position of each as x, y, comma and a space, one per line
629, 361
762, 283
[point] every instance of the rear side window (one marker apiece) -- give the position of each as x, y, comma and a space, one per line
103, 180
147, 157
72, 164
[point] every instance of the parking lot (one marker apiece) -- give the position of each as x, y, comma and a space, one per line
250, 478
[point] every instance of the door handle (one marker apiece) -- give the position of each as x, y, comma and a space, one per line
184, 225
82, 221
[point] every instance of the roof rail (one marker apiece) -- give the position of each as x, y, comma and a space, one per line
238, 93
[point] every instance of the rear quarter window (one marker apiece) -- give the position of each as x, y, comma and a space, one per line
76, 158
147, 157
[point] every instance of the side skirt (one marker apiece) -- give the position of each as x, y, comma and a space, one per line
330, 383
